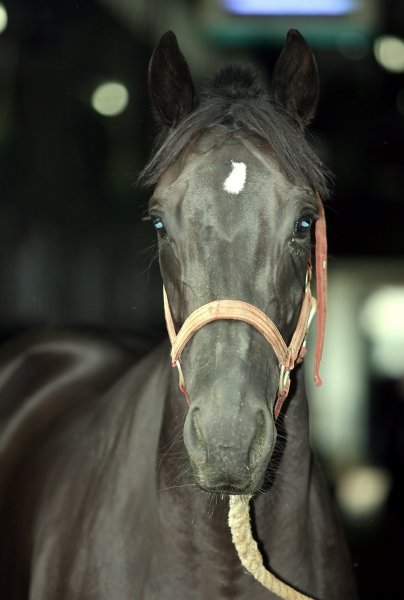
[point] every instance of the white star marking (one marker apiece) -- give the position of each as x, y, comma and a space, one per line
234, 183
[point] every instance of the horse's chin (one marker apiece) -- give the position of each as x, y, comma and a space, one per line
228, 490
225, 486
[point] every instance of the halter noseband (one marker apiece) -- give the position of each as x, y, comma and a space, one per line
236, 310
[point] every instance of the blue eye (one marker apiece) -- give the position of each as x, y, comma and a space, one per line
303, 224
158, 225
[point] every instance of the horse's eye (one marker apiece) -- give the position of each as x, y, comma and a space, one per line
303, 224
158, 225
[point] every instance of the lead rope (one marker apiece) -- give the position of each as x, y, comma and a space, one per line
249, 554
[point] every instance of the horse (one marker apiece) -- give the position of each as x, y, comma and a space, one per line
114, 480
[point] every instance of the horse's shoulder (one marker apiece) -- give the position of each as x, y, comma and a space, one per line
52, 343
35, 363
54, 382
66, 399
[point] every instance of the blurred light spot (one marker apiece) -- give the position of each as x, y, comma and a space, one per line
353, 45
362, 491
290, 7
382, 319
389, 53
110, 99
3, 17
400, 101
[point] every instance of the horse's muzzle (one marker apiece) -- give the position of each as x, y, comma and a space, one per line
229, 449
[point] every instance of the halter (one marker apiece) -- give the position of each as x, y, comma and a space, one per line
237, 310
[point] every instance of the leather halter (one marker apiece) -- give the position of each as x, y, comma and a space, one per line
236, 310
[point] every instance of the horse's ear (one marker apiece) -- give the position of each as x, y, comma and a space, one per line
170, 83
295, 82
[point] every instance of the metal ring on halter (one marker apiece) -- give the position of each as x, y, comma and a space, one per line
284, 377
181, 381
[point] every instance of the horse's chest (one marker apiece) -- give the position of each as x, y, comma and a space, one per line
180, 581
197, 566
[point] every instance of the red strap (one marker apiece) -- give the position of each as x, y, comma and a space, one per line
321, 285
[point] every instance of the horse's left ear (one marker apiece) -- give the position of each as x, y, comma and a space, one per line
170, 83
295, 82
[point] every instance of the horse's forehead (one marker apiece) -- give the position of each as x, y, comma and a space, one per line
229, 168
228, 165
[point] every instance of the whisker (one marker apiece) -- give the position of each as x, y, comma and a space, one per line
174, 487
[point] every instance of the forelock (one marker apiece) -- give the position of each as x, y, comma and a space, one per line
236, 101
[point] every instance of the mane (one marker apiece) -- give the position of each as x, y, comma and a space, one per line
238, 101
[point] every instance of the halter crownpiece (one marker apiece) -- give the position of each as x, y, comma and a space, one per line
237, 310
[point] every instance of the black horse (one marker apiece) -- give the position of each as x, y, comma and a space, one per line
101, 494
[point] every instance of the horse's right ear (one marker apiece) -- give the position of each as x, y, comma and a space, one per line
170, 83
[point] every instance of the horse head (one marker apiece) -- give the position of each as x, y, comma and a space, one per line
235, 204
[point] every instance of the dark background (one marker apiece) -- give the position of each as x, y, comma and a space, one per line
74, 248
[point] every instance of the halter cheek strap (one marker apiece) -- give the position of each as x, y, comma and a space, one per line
236, 310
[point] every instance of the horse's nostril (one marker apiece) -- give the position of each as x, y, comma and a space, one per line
196, 427
261, 443
260, 418
194, 439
